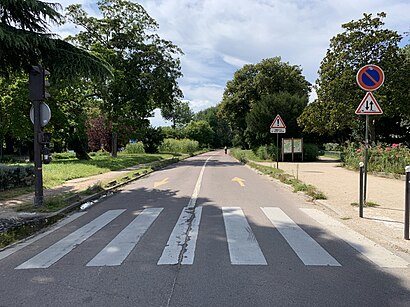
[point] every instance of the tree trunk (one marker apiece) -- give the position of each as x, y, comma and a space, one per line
114, 145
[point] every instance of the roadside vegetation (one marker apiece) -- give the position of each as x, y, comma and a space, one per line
249, 157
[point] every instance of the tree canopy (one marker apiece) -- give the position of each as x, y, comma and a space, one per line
254, 81
25, 40
364, 41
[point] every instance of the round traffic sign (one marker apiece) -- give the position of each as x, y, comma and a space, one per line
45, 114
370, 77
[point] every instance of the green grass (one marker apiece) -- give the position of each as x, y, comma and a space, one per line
58, 172
10, 194
366, 204
245, 155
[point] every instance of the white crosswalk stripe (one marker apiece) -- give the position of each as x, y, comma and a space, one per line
58, 250
121, 246
307, 249
242, 243
182, 241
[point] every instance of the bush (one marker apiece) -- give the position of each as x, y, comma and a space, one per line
382, 158
16, 176
332, 147
179, 146
310, 152
134, 148
64, 155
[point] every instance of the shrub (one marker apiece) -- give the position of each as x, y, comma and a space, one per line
310, 152
16, 176
382, 158
179, 146
332, 147
64, 155
134, 148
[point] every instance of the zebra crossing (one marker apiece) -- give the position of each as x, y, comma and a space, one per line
243, 245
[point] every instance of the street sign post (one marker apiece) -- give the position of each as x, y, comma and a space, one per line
277, 126
369, 78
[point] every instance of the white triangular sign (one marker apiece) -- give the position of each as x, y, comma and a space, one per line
369, 106
278, 122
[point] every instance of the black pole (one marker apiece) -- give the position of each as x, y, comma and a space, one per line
407, 205
277, 150
361, 164
366, 155
38, 198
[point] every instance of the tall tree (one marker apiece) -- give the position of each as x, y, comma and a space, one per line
363, 42
146, 67
25, 40
252, 82
264, 111
179, 112
222, 134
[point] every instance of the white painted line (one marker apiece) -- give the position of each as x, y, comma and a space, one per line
307, 249
242, 244
194, 197
179, 237
122, 245
9, 251
371, 250
189, 254
61, 248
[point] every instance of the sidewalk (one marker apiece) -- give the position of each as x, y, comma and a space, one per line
383, 223
7, 208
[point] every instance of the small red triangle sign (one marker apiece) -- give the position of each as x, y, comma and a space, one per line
278, 122
369, 106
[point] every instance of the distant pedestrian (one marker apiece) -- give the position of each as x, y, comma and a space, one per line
226, 150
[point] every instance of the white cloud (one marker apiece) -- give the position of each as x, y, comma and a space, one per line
219, 36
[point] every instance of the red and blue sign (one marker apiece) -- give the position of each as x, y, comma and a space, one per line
370, 77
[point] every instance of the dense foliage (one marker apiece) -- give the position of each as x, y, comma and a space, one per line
363, 42
251, 87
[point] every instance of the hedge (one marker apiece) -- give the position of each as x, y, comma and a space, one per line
16, 176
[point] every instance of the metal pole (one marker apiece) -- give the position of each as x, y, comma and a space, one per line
366, 141
407, 205
277, 150
361, 165
38, 172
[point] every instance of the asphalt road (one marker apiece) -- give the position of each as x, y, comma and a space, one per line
207, 231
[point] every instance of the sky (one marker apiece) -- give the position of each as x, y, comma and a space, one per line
218, 37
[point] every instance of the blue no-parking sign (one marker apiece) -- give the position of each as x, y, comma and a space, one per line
370, 77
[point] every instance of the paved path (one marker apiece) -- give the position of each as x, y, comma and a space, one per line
341, 186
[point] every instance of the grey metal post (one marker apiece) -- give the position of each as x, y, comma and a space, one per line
407, 205
38, 197
361, 165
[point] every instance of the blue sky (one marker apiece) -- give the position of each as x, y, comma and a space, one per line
219, 36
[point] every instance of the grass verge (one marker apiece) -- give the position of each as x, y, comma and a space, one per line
290, 180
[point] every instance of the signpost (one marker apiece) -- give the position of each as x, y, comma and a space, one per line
369, 78
277, 126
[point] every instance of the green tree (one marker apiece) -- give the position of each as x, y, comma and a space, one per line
25, 40
222, 135
199, 131
264, 111
252, 82
363, 42
146, 67
178, 112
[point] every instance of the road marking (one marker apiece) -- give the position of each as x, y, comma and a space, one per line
242, 244
160, 183
239, 180
371, 250
122, 245
194, 197
182, 241
58, 225
307, 249
61, 248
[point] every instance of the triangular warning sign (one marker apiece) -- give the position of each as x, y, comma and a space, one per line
278, 122
369, 106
